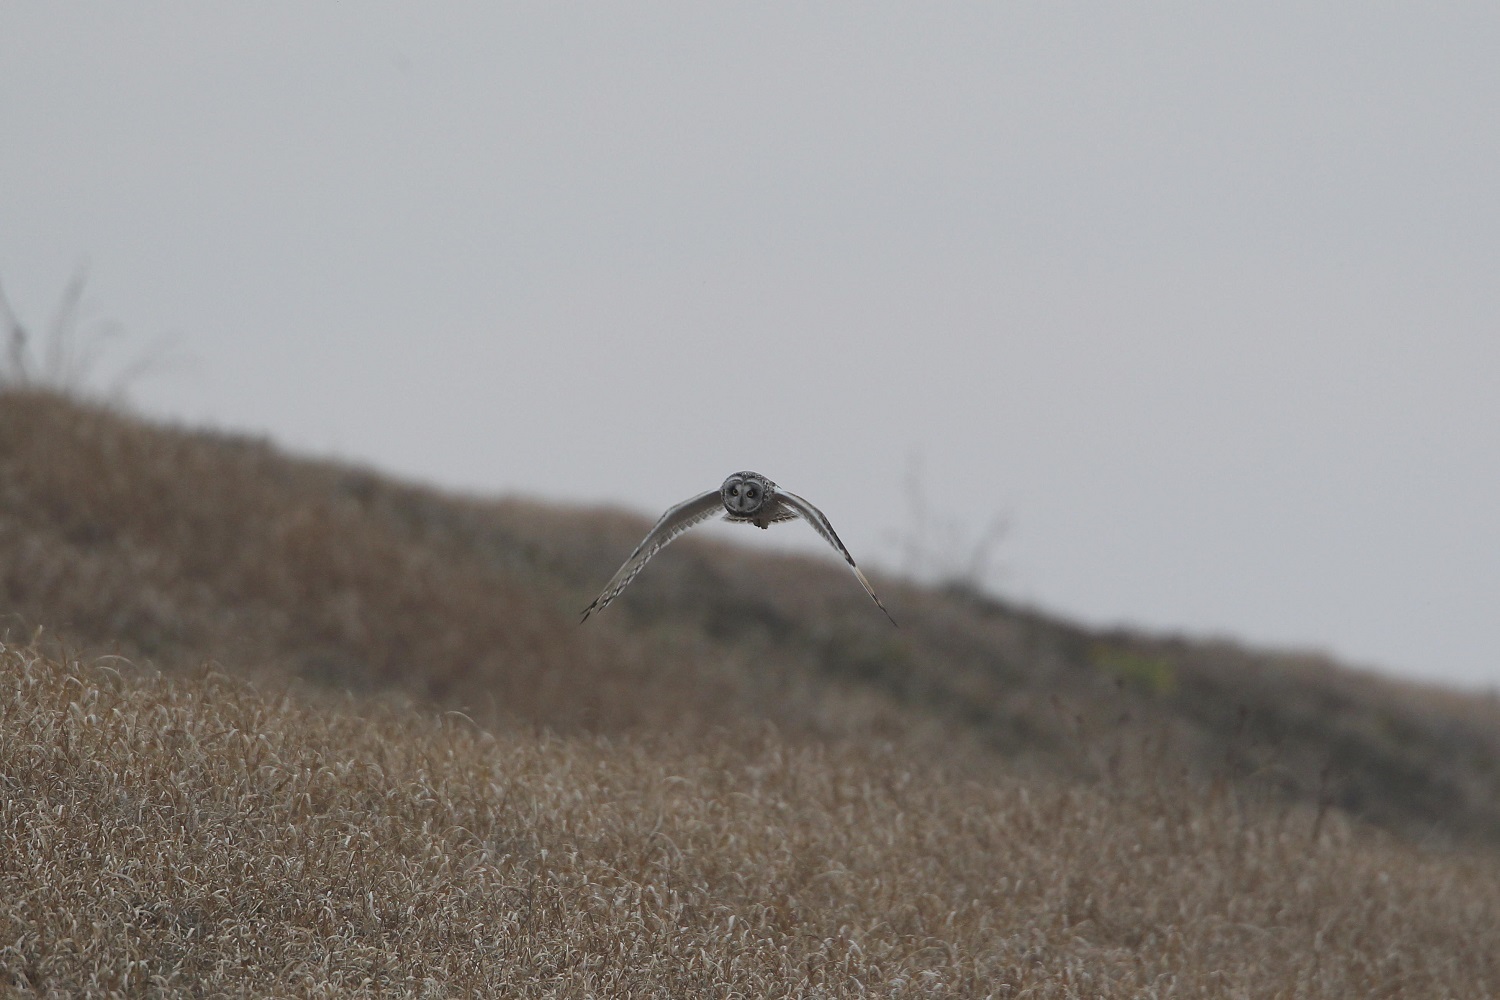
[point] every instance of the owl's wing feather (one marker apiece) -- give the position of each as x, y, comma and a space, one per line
673, 523
820, 524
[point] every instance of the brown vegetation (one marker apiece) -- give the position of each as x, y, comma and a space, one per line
180, 547
191, 835
739, 781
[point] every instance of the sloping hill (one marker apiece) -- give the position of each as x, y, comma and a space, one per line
178, 547
740, 782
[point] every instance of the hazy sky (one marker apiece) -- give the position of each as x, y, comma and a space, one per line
1203, 299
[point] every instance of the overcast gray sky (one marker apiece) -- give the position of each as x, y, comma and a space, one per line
1203, 298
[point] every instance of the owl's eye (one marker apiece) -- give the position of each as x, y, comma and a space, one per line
734, 491
750, 492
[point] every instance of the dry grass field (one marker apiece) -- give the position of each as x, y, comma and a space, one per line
271, 727
200, 836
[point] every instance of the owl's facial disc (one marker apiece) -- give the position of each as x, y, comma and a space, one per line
744, 493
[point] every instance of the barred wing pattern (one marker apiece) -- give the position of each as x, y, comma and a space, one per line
673, 523
745, 498
821, 525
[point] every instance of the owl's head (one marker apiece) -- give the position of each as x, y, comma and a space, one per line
744, 493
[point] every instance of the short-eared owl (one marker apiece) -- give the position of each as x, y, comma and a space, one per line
745, 498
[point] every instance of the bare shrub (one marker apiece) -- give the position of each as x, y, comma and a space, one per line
72, 349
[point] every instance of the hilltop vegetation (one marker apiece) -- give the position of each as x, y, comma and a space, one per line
350, 739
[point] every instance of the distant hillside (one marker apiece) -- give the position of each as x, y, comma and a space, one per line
179, 547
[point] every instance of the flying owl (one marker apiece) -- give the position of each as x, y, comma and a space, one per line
745, 498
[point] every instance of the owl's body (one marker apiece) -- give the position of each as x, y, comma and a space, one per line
744, 498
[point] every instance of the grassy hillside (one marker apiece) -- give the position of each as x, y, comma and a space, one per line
195, 836
180, 547
347, 737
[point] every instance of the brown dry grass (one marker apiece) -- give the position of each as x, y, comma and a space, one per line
192, 836
179, 547
739, 782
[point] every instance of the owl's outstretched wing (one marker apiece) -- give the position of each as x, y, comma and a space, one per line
814, 517
673, 523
